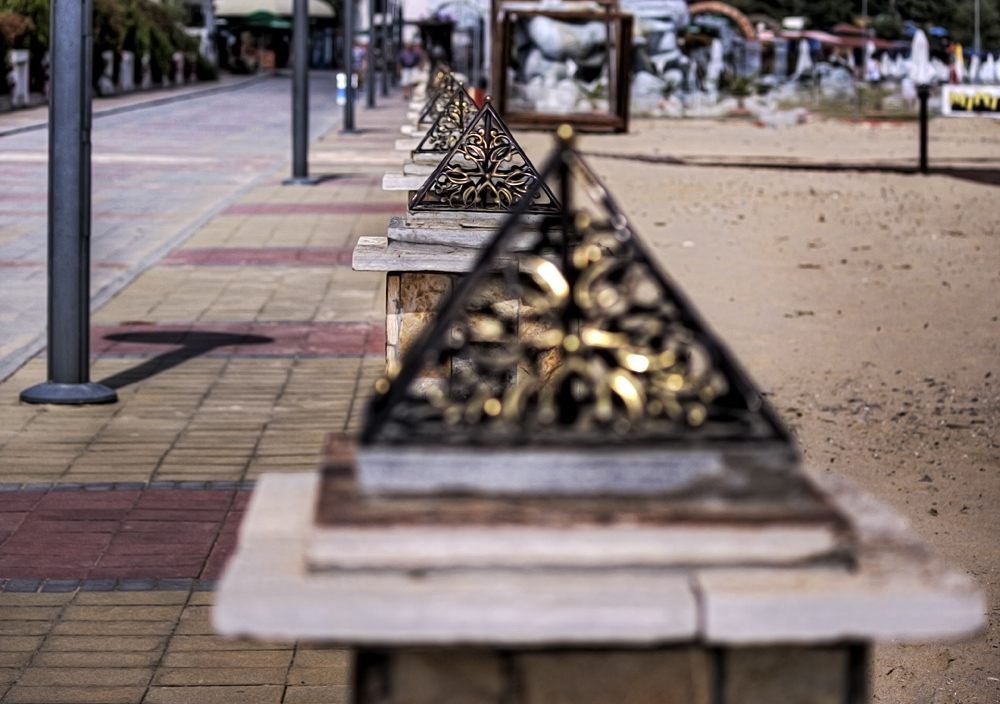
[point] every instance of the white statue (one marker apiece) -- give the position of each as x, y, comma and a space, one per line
146, 73
106, 83
988, 73
177, 62
20, 75
921, 71
715, 67
974, 66
126, 74
804, 63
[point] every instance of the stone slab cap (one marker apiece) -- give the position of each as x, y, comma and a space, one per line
268, 591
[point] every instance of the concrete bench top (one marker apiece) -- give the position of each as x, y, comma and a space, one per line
897, 590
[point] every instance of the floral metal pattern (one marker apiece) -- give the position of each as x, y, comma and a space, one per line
450, 124
580, 339
486, 170
438, 100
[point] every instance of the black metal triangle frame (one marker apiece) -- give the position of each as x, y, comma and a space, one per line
438, 100
485, 171
450, 125
564, 165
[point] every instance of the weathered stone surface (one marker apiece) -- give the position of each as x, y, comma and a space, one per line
401, 182
379, 254
786, 675
675, 676
413, 169
446, 677
419, 297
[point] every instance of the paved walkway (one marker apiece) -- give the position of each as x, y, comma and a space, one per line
232, 355
159, 174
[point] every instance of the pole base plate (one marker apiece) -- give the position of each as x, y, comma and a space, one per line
300, 181
69, 394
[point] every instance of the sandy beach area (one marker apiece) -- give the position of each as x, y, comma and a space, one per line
864, 301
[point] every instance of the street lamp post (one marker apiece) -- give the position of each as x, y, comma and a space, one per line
976, 44
300, 97
383, 34
348, 125
69, 212
370, 73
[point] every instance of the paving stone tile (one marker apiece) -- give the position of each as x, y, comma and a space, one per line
263, 694
20, 694
184, 676
152, 598
113, 628
30, 613
128, 644
229, 659
15, 659
183, 643
20, 643
318, 676
121, 613
85, 676
147, 659
43, 599
322, 694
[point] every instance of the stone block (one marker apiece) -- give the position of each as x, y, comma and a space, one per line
446, 677
671, 676
785, 674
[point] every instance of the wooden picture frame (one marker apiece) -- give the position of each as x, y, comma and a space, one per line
609, 113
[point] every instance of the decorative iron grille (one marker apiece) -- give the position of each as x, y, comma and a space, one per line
580, 341
450, 124
486, 170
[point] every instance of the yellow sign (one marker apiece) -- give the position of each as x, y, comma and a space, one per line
971, 100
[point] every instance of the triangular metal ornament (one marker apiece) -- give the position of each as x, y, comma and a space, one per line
485, 171
579, 344
450, 124
438, 101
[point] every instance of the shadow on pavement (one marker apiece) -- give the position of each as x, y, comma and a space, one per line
192, 344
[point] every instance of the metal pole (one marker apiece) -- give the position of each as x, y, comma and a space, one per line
383, 33
300, 97
69, 212
370, 73
348, 125
923, 93
976, 41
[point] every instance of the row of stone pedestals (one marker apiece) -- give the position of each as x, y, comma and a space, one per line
565, 488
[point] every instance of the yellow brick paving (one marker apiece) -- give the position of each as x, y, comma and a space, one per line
209, 418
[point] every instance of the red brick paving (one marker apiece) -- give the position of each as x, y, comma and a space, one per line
256, 256
165, 533
336, 339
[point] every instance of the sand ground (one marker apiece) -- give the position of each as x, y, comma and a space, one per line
865, 303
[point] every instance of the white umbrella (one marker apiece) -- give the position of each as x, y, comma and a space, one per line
885, 65
920, 59
974, 65
959, 69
